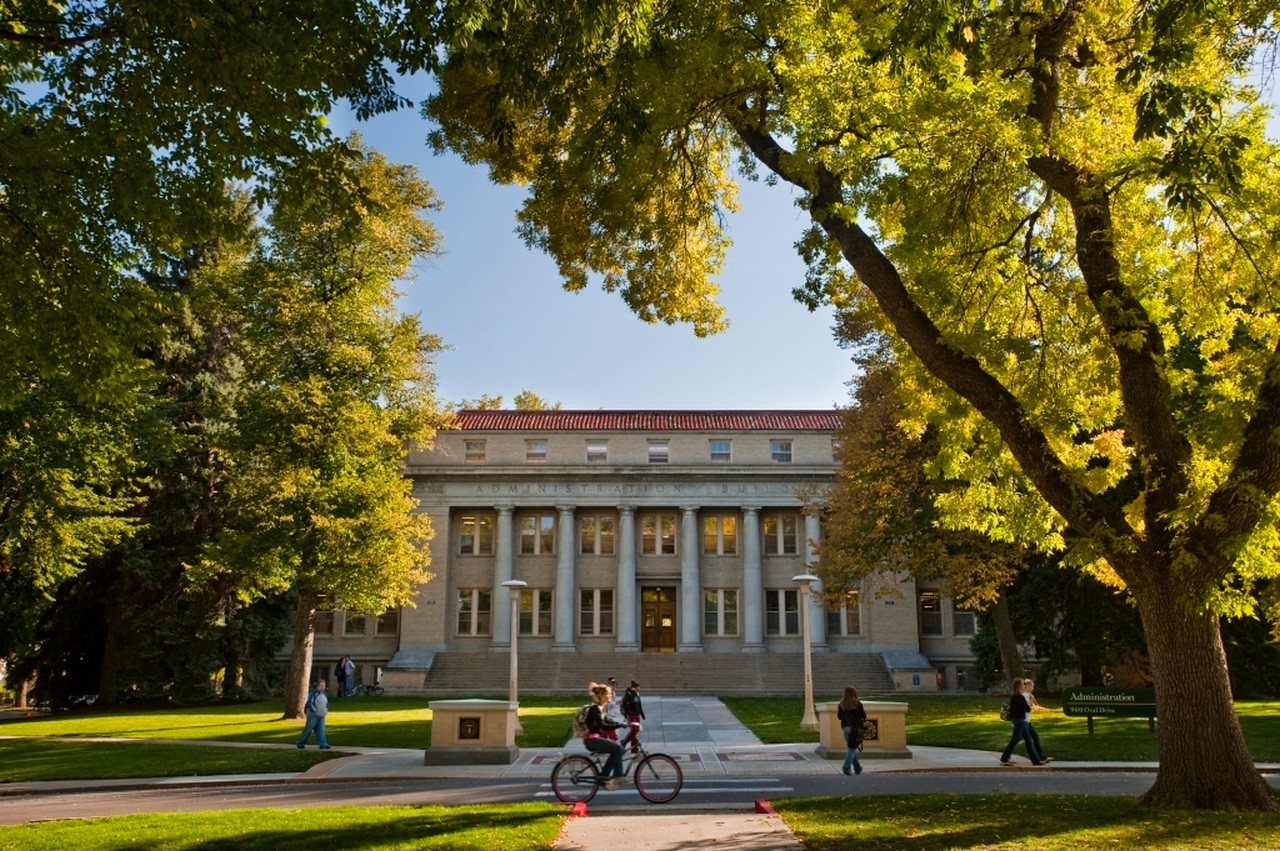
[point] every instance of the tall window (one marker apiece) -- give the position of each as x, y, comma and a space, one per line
537, 534
473, 611
535, 451
353, 624
719, 535
720, 611
846, 620
475, 535
475, 451
659, 451
389, 622
597, 534
837, 449
324, 622
780, 535
930, 612
964, 623
597, 451
782, 611
595, 609
535, 611
721, 451
780, 451
658, 534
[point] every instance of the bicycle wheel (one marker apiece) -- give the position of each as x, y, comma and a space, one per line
574, 779
375, 690
658, 778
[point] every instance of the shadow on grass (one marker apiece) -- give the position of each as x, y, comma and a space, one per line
1048, 822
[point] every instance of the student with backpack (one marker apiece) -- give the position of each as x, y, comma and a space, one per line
317, 708
633, 711
597, 725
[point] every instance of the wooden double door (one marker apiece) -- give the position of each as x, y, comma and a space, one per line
658, 620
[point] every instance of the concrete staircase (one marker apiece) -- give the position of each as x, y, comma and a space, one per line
543, 673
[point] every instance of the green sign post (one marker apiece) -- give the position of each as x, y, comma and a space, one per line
1090, 703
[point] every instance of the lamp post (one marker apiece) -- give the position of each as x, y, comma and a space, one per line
515, 586
810, 719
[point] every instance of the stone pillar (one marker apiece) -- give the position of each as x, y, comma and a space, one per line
690, 582
817, 612
503, 569
752, 582
566, 581
625, 593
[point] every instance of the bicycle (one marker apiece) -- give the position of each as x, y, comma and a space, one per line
366, 689
658, 778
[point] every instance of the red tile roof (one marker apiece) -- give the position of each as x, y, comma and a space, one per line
655, 421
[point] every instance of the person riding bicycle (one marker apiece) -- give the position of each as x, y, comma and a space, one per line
597, 724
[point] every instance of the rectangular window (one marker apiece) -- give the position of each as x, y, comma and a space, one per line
964, 623
720, 611
535, 452
473, 611
659, 451
475, 451
780, 451
596, 611
324, 622
930, 613
658, 534
597, 534
353, 624
846, 620
782, 611
537, 534
475, 535
721, 451
780, 535
720, 535
535, 611
389, 623
597, 451
837, 449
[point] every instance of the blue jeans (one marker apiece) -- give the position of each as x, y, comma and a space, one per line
314, 722
1020, 733
850, 756
613, 765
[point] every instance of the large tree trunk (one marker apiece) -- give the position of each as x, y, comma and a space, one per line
1006, 639
304, 637
1204, 761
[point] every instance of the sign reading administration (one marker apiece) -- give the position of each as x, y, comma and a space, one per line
1103, 702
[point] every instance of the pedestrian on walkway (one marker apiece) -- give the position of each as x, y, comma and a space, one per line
633, 711
1029, 692
317, 708
596, 741
1019, 709
853, 719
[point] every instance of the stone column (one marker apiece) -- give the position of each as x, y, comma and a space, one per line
817, 611
752, 613
503, 570
625, 593
690, 582
566, 581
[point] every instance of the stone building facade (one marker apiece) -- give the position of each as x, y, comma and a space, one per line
665, 534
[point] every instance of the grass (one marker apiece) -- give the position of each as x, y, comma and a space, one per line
957, 721
24, 760
504, 827
1017, 822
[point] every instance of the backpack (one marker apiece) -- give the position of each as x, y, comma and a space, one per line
1004, 710
580, 728
629, 701
311, 702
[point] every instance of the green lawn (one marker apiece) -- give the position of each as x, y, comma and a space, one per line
972, 722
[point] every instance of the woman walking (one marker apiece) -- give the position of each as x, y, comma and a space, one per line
852, 717
1019, 710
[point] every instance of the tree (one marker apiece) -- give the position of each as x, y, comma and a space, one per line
337, 384
1063, 213
123, 125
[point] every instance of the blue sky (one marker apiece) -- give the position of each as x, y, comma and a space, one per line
511, 326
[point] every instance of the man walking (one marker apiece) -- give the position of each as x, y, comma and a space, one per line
317, 708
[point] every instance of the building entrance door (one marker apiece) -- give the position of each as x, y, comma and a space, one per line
658, 620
